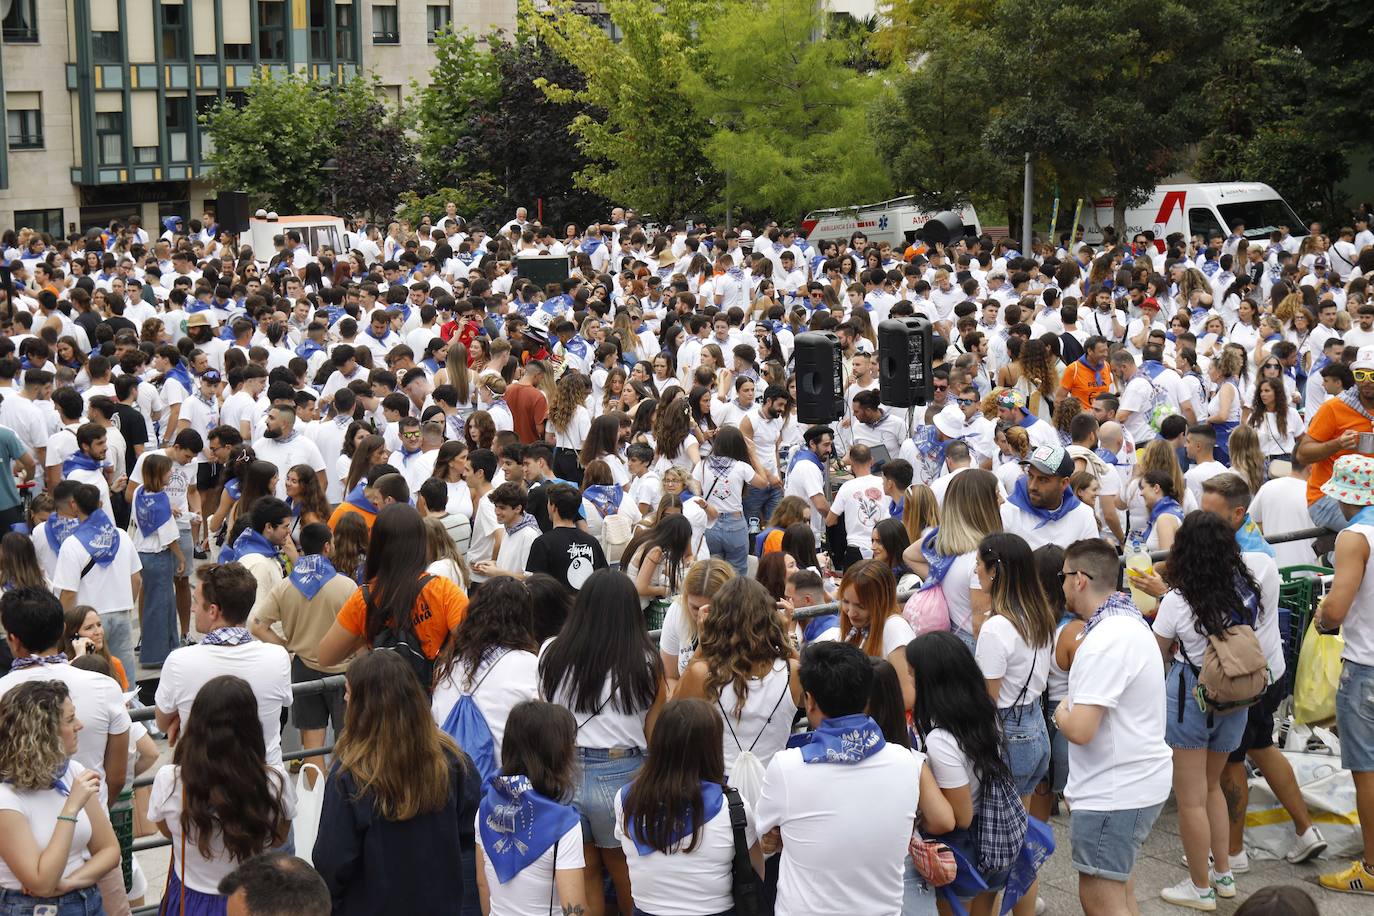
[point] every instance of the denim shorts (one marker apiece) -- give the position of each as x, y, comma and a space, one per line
1355, 716
1028, 745
1186, 725
83, 902
604, 773
1105, 843
1059, 751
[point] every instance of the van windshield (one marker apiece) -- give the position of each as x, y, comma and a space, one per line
1262, 217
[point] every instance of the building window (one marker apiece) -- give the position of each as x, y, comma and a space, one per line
206, 103
437, 19
241, 53
109, 137
144, 155
107, 48
49, 221
25, 128
385, 29
272, 30
343, 32
177, 126
21, 24
173, 32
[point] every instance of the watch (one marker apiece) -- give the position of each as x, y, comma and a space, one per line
1323, 630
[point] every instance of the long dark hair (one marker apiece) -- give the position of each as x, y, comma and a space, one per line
1206, 568
540, 744
686, 749
255, 483
227, 786
395, 561
312, 501
952, 694
499, 616
551, 602
672, 535
364, 457
603, 438
800, 541
730, 443
604, 638
885, 704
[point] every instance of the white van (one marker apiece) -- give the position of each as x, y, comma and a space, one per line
1199, 209
896, 221
316, 232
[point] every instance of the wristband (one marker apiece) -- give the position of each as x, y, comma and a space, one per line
66, 817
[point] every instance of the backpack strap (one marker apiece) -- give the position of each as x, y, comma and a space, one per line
490, 669
786, 691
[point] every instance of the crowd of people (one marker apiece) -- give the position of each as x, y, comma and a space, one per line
620, 630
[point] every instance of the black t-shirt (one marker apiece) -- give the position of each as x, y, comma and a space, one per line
130, 423
570, 555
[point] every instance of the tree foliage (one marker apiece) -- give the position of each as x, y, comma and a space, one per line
375, 151
786, 126
463, 83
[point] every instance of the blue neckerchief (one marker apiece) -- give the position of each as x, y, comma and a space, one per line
1251, 540
895, 507
308, 348
333, 313
58, 529
1166, 506
518, 825
403, 308
311, 573
939, 563
252, 542
1209, 267
846, 740
197, 306
1151, 368
430, 364
1027, 420
234, 488
577, 345
226, 333
1110, 457
1364, 517
356, 499
814, 627
406, 456
80, 461
805, 454
589, 245
385, 334
151, 510
525, 521
712, 800
1118, 604
100, 538
1020, 498
606, 497
182, 375
34, 661
227, 636
736, 273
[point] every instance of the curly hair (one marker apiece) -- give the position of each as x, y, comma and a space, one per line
500, 616
742, 633
1259, 413
31, 721
1037, 367
1064, 412
672, 423
1206, 569
571, 393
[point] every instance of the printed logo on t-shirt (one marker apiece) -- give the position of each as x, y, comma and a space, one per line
580, 564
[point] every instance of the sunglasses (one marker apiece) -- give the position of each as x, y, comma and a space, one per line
1073, 572
966, 402
1363, 375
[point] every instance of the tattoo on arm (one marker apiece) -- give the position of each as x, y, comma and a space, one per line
574, 909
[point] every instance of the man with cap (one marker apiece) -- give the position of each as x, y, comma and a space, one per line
1334, 430
925, 450
1349, 608
1011, 409
1138, 331
1041, 507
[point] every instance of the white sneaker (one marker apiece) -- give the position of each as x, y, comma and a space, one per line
1184, 894
1307, 847
1240, 862
1225, 885
1040, 906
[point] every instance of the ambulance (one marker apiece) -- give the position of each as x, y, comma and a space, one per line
898, 221
1199, 209
316, 232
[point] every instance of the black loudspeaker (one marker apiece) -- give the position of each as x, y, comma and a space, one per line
820, 377
231, 211
542, 271
904, 355
941, 229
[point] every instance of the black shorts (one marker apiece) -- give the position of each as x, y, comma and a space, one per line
207, 476
315, 710
1259, 724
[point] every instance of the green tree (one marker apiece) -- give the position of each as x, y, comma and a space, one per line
786, 128
463, 83
640, 134
273, 145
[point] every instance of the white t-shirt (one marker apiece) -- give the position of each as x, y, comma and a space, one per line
1126, 764
1138, 398
861, 503
958, 584
806, 480
896, 634
845, 829
178, 484
1199, 474
1002, 653
286, 455
515, 549
107, 588
266, 667
1279, 507
527, 894
484, 527
573, 437
1079, 523
724, 491
608, 727
950, 765
501, 683
40, 808
684, 883
1175, 619
197, 872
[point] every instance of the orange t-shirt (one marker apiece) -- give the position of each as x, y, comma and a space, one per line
344, 509
442, 606
1081, 382
1331, 419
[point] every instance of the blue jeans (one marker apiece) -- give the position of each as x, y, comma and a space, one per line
604, 773
728, 538
1326, 513
918, 897
85, 902
160, 634
1059, 752
1028, 745
1105, 844
759, 503
119, 639
1355, 716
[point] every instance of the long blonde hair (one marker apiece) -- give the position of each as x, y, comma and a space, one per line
970, 513
31, 721
456, 369
703, 579
1159, 456
1246, 458
920, 510
439, 546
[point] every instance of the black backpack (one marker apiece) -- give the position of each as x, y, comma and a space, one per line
404, 641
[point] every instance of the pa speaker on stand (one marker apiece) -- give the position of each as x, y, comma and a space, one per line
820, 377
231, 211
904, 362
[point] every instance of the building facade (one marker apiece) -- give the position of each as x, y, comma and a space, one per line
102, 98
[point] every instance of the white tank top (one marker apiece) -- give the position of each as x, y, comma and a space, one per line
1057, 687
766, 720
1358, 629
766, 434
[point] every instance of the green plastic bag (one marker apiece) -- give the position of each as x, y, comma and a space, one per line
1319, 673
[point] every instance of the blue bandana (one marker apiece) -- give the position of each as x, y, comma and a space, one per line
357, 500
311, 573
525, 521
805, 454
1251, 539
58, 528
182, 375
939, 563
1020, 498
151, 510
846, 740
1166, 506
308, 348
712, 798
518, 825
252, 542
606, 497
34, 661
80, 461
98, 535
